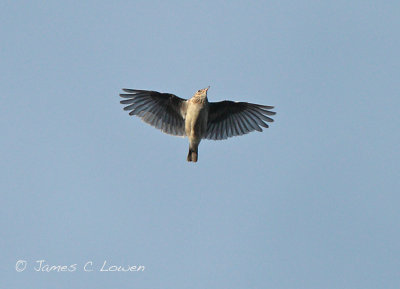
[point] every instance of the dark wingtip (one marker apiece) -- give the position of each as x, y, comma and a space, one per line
133, 90
266, 106
267, 109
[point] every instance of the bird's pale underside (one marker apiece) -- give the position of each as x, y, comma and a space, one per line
196, 118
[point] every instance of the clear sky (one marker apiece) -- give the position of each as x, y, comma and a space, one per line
312, 202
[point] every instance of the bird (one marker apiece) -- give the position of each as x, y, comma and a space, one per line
196, 118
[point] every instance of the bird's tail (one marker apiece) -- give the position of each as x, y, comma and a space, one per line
192, 155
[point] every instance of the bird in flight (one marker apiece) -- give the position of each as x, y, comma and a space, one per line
196, 118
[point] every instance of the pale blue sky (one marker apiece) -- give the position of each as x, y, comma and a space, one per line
312, 202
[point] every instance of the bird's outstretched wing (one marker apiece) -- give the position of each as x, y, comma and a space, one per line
162, 110
229, 118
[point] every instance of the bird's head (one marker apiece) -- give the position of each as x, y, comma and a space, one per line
201, 93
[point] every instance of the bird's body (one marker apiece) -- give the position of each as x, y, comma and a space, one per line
196, 118
196, 123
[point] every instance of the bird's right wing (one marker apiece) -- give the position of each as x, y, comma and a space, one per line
229, 118
164, 111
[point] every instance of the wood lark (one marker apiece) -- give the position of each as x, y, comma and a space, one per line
196, 118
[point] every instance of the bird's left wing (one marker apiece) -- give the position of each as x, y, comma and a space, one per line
229, 118
164, 111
